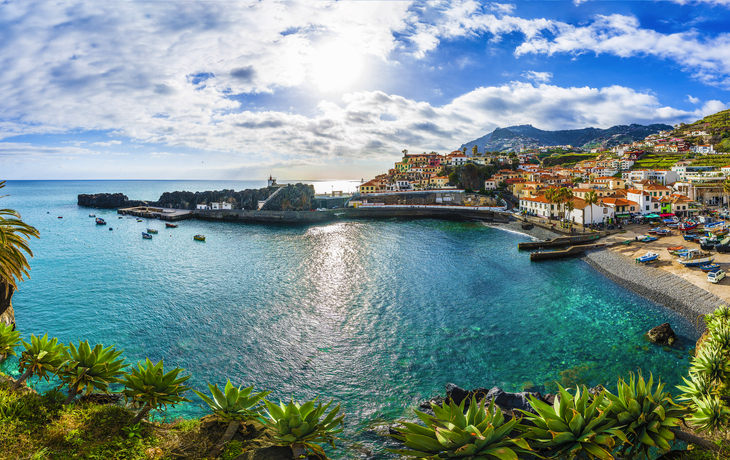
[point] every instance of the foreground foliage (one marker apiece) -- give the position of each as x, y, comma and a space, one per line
14, 236
91, 368
152, 388
480, 434
303, 424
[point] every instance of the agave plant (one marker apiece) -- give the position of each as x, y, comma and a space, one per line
711, 363
709, 414
41, 357
573, 426
232, 405
697, 386
302, 425
644, 415
152, 388
480, 434
89, 368
718, 318
9, 339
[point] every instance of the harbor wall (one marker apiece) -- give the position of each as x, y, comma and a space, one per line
383, 212
265, 217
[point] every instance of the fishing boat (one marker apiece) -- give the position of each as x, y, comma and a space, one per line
648, 257
92, 215
111, 229
139, 220
709, 267
170, 225
720, 232
649, 239
146, 236
152, 230
663, 232
713, 225
654, 230
687, 226
120, 217
199, 237
674, 248
695, 259
100, 221
673, 225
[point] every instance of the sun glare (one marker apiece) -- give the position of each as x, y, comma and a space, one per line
335, 66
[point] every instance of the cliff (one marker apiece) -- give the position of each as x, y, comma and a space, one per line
108, 200
299, 197
244, 199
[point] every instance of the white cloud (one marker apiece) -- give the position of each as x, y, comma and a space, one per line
693, 100
106, 144
538, 77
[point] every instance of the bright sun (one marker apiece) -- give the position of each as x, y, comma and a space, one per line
335, 66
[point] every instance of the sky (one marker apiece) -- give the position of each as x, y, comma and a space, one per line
229, 90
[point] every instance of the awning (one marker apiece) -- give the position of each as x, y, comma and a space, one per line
666, 215
651, 216
623, 215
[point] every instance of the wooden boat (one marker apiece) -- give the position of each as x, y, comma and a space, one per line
152, 230
695, 259
60, 217
648, 257
111, 229
199, 237
687, 226
146, 236
649, 239
674, 248
654, 230
92, 215
139, 220
709, 267
689, 237
663, 232
170, 225
120, 217
720, 232
100, 221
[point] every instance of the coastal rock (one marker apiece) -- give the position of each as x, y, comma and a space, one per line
662, 335
7, 315
107, 200
512, 401
456, 393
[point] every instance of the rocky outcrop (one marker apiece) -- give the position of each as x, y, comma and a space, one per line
7, 315
299, 197
245, 199
108, 200
662, 335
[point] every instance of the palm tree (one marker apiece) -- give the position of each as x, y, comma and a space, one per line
550, 196
14, 236
726, 189
474, 150
569, 207
564, 196
591, 199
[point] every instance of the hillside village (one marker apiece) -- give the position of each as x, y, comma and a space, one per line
680, 172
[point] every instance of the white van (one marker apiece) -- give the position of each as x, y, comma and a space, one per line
715, 276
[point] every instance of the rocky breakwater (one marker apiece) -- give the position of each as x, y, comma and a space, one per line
108, 200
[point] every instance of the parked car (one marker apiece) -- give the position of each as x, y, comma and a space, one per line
715, 276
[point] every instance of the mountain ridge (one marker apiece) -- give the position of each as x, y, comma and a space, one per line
511, 137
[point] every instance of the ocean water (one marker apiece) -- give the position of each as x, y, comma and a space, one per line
377, 315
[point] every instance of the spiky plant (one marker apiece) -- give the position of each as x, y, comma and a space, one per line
718, 318
41, 357
9, 339
697, 386
302, 425
152, 388
644, 415
14, 236
480, 434
91, 368
709, 414
232, 405
719, 337
710, 362
573, 426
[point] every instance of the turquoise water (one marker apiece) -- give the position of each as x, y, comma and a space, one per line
377, 315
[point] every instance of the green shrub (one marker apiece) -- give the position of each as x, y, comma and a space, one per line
91, 368
152, 388
303, 424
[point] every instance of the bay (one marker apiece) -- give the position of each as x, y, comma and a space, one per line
377, 315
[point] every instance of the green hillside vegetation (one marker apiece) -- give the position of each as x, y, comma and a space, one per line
657, 161
569, 158
717, 123
717, 161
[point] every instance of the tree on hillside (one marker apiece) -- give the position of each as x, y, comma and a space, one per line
404, 151
591, 199
464, 150
474, 150
551, 196
14, 236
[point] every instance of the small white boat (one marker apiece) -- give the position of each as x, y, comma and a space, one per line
695, 259
648, 257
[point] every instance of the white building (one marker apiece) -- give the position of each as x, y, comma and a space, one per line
221, 206
705, 149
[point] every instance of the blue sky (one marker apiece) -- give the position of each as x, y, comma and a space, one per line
333, 90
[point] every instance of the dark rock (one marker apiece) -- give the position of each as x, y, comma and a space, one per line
596, 390
268, 453
456, 393
512, 401
549, 399
107, 200
662, 335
